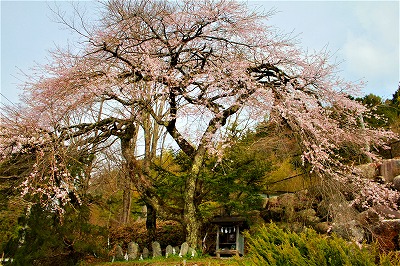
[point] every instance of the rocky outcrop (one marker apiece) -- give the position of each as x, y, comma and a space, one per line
386, 170
308, 208
295, 211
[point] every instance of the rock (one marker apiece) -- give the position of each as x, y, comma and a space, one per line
349, 231
368, 218
396, 182
133, 250
308, 216
389, 169
184, 249
368, 171
287, 199
323, 209
156, 249
386, 212
287, 202
271, 202
387, 234
145, 253
296, 227
380, 179
169, 251
272, 214
323, 228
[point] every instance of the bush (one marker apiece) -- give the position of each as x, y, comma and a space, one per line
271, 245
167, 233
45, 240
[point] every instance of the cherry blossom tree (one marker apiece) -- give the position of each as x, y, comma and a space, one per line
189, 67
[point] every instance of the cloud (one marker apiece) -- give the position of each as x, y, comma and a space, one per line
380, 18
372, 46
370, 59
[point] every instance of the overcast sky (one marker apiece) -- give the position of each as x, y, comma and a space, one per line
363, 35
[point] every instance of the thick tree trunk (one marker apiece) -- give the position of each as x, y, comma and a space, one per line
190, 217
128, 145
126, 204
151, 223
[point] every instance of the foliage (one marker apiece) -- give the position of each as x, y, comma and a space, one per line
172, 261
45, 240
383, 113
167, 233
271, 245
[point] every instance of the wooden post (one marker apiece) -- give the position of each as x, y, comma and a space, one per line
217, 244
237, 240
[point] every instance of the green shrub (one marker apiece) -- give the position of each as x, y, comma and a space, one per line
271, 245
45, 240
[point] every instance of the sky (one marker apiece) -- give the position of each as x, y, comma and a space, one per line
362, 35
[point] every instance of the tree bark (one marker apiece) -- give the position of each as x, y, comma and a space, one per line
151, 224
190, 215
128, 145
190, 218
126, 202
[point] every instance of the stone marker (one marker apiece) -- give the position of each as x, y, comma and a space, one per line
145, 253
176, 249
192, 252
169, 251
119, 253
156, 249
184, 249
133, 250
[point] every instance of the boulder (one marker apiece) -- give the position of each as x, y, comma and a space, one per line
389, 169
369, 170
274, 214
308, 216
192, 252
368, 218
396, 182
323, 227
387, 234
349, 230
386, 212
324, 209
287, 202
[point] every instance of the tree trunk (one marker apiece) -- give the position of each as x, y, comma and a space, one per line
151, 224
128, 145
190, 216
126, 203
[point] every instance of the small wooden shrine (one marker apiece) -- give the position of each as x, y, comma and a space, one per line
229, 241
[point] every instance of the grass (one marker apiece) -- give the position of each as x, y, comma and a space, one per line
172, 261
